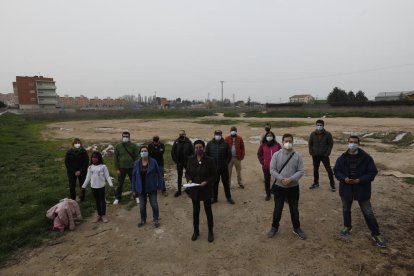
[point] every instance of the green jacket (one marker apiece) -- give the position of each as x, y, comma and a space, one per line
123, 159
322, 146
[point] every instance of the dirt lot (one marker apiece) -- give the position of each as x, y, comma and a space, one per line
241, 246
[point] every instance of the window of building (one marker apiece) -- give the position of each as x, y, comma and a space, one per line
32, 99
32, 91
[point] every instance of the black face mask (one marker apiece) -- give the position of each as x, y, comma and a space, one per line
155, 140
182, 137
267, 129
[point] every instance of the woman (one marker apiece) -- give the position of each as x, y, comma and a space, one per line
264, 154
76, 162
201, 170
146, 180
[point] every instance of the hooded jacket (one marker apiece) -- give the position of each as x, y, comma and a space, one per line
265, 153
365, 172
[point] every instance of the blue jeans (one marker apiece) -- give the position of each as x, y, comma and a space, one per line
366, 209
143, 205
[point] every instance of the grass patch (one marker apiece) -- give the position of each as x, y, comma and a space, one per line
219, 122
231, 114
280, 124
295, 113
409, 180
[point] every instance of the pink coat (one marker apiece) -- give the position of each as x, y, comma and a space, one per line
265, 153
64, 214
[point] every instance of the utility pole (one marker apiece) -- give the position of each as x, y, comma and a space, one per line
222, 83
234, 99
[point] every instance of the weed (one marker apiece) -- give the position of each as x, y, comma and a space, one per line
409, 180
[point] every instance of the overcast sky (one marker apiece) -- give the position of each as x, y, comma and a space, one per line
268, 50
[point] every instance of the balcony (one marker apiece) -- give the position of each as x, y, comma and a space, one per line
47, 93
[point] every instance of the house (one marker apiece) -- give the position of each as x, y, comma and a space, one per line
394, 96
306, 98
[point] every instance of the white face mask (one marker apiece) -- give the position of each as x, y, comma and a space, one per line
269, 138
233, 133
319, 128
77, 146
125, 139
144, 154
217, 137
288, 146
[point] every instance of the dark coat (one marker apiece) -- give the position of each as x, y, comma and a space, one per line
366, 172
220, 152
156, 151
76, 160
181, 151
153, 178
197, 172
322, 147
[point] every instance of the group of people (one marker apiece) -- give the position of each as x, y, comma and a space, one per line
206, 164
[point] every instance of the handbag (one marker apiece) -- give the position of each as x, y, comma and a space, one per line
273, 189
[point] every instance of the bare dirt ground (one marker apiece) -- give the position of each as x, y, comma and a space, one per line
241, 246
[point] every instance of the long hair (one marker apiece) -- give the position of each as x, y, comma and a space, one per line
99, 155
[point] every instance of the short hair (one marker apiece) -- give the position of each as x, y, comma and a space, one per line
126, 133
354, 137
99, 155
143, 147
198, 142
320, 121
233, 128
286, 135
268, 124
76, 140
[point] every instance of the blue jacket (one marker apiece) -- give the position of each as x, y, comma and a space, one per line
366, 172
153, 179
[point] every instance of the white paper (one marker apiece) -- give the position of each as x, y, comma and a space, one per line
189, 185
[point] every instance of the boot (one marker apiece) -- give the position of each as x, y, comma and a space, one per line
210, 235
195, 235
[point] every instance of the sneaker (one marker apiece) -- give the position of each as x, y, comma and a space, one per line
96, 219
300, 233
116, 201
141, 223
104, 219
241, 186
379, 241
273, 231
346, 231
314, 186
333, 189
156, 224
137, 200
177, 194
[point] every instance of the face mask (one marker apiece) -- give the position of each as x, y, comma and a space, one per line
182, 137
319, 128
156, 140
77, 146
288, 146
352, 146
269, 138
217, 137
94, 160
267, 129
144, 154
199, 151
125, 139
233, 133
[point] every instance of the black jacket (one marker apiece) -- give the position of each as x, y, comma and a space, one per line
322, 146
156, 151
197, 172
220, 152
181, 151
76, 160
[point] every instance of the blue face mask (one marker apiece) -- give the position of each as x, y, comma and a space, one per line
144, 154
352, 146
319, 128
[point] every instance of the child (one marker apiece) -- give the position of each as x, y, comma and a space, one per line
97, 173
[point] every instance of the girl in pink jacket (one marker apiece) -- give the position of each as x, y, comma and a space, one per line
265, 152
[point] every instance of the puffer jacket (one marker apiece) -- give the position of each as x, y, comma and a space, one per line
63, 214
322, 145
265, 153
220, 152
181, 151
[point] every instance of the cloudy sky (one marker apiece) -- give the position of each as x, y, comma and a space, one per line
266, 50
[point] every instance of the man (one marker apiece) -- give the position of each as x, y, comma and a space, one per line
355, 170
267, 128
156, 151
286, 167
320, 146
219, 150
236, 145
124, 156
181, 150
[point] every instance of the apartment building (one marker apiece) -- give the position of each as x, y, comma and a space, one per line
35, 92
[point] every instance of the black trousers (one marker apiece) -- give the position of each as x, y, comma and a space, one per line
266, 174
292, 196
99, 195
196, 214
327, 164
224, 175
180, 168
121, 180
72, 184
